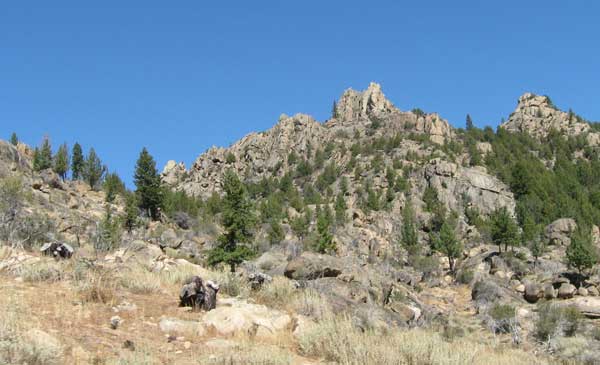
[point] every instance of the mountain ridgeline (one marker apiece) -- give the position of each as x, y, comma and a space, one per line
371, 160
337, 239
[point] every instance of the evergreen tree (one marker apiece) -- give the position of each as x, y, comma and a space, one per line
448, 244
148, 185
325, 242
42, 157
410, 239
581, 253
61, 161
108, 235
237, 220
469, 123
77, 162
430, 197
504, 230
340, 209
14, 140
301, 223
475, 154
132, 212
36, 159
276, 234
93, 170
344, 185
112, 186
334, 112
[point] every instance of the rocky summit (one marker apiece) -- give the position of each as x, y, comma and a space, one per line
378, 236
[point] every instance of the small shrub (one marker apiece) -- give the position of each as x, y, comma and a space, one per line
276, 294
451, 333
503, 318
95, 284
42, 271
230, 158
554, 321
571, 320
596, 333
465, 276
427, 265
140, 281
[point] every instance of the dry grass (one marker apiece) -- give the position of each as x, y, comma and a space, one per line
276, 294
336, 339
22, 345
49, 271
96, 285
247, 353
140, 280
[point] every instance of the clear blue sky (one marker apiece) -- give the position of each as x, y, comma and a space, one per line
180, 76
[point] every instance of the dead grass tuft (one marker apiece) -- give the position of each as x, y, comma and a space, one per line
336, 339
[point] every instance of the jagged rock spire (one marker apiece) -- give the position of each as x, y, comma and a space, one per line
360, 104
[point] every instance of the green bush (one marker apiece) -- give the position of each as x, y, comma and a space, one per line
503, 316
425, 264
554, 320
465, 276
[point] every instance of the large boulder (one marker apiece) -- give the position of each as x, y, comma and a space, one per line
588, 306
311, 266
533, 292
180, 326
566, 291
549, 292
559, 231
243, 318
170, 239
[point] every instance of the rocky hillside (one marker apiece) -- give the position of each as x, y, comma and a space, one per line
379, 236
374, 161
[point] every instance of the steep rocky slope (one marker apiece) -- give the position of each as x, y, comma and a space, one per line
372, 299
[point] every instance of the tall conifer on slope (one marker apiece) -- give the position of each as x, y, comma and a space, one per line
148, 185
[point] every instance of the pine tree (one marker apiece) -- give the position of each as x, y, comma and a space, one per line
77, 162
325, 242
301, 223
112, 186
132, 212
410, 239
36, 159
61, 161
340, 209
42, 157
334, 112
448, 244
504, 229
148, 185
469, 123
93, 170
276, 234
237, 220
14, 140
580, 253
109, 233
